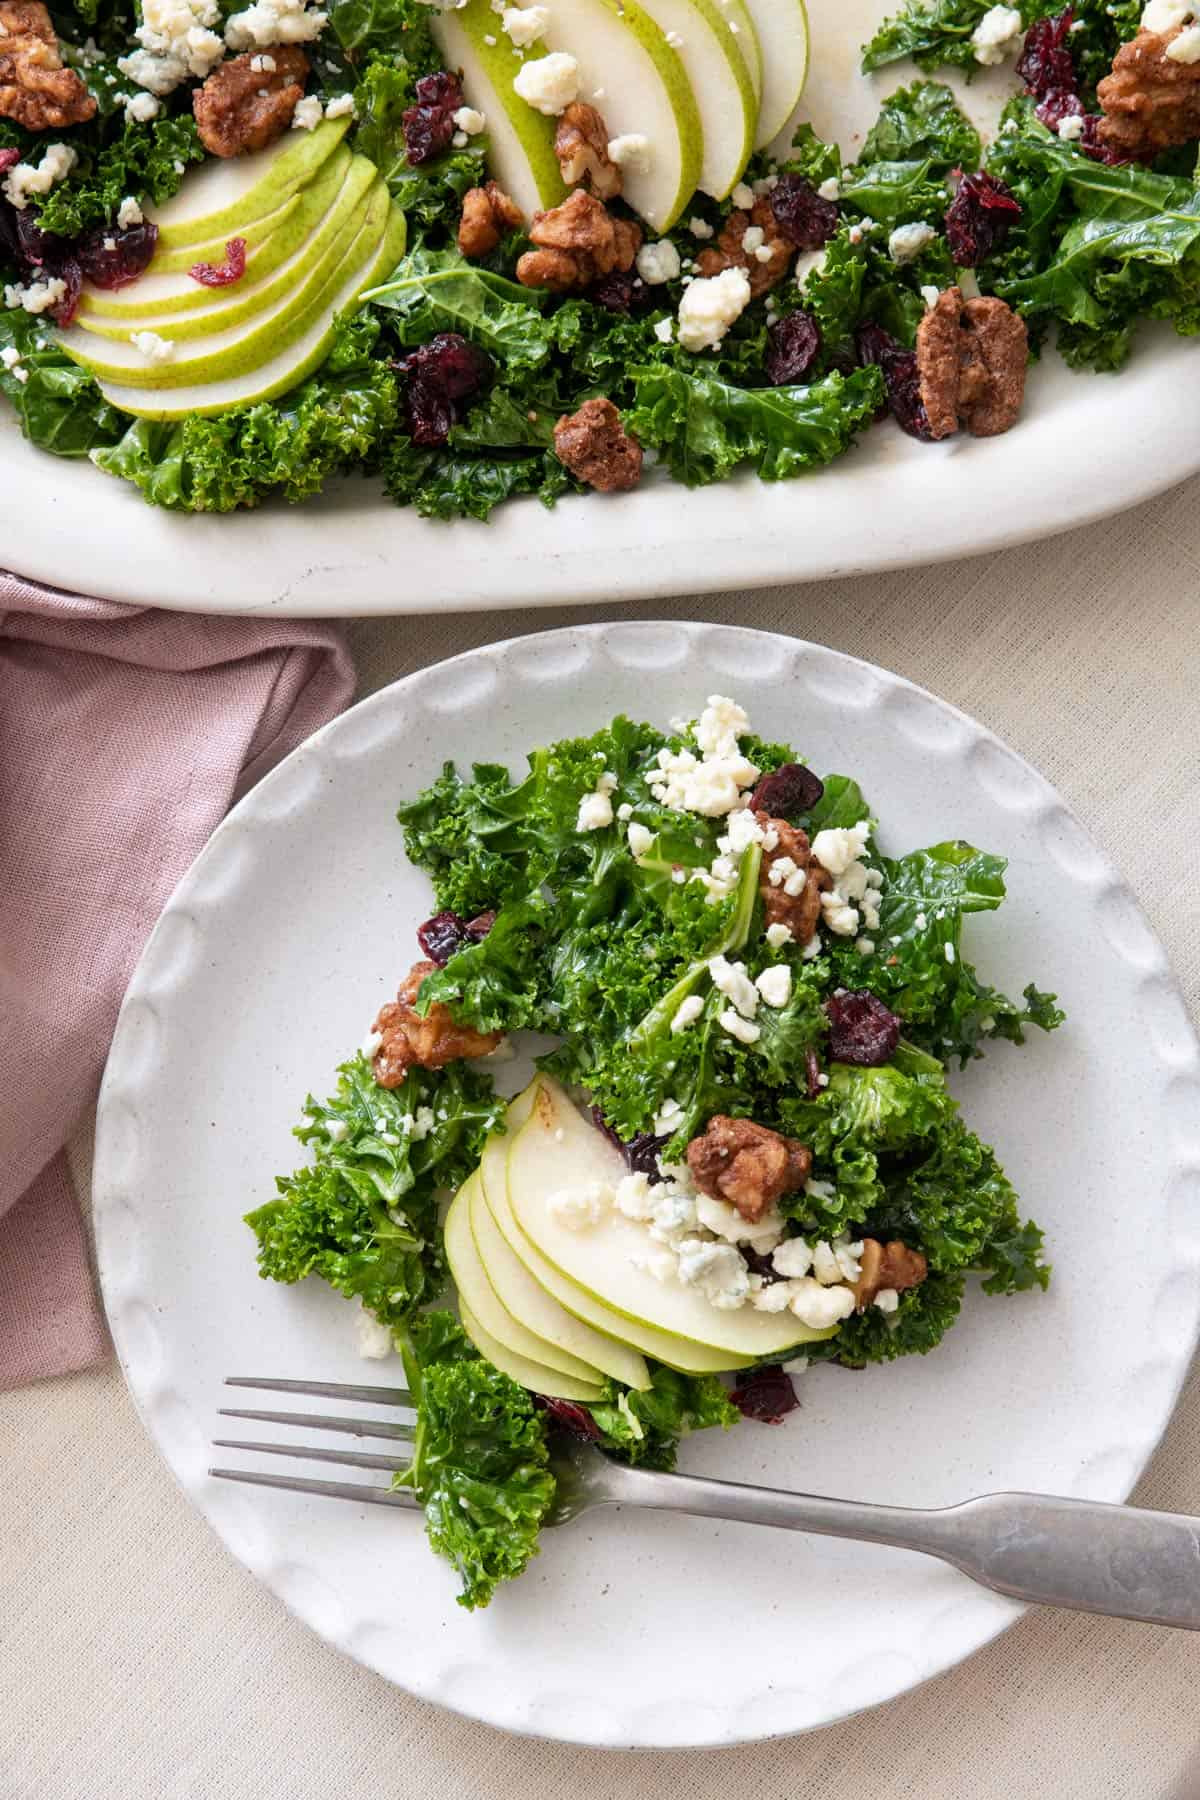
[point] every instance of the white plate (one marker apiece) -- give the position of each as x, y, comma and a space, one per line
265, 970
1084, 448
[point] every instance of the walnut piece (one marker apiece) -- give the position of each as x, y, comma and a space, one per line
241, 108
730, 251
801, 912
971, 360
35, 89
487, 213
577, 243
581, 146
596, 447
410, 1041
747, 1165
892, 1265
1150, 102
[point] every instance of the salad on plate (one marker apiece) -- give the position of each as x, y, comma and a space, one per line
484, 250
738, 1155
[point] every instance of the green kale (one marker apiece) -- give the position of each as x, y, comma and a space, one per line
920, 1322
923, 122
59, 406
147, 161
937, 34
429, 193
645, 1427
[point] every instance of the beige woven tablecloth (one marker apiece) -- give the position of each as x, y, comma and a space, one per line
139, 1662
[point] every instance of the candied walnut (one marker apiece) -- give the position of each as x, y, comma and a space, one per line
35, 89
487, 213
1150, 102
577, 243
748, 1166
241, 108
891, 1265
801, 911
410, 1041
581, 146
971, 365
730, 251
596, 447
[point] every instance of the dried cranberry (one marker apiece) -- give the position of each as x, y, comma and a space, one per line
620, 292
862, 1030
38, 246
112, 259
441, 373
979, 218
9, 160
222, 274
575, 1419
1059, 104
1091, 145
68, 272
478, 928
803, 218
429, 125
641, 1153
793, 345
765, 1394
758, 1264
900, 378
787, 791
1045, 61
441, 936
812, 1073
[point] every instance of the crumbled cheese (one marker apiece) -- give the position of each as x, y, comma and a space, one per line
831, 189
1164, 15
579, 1208
668, 1119
263, 65
819, 1307
466, 118
907, 242
550, 83
725, 1221
524, 25
931, 295
633, 1197
687, 1012
752, 239
657, 263
177, 43
1070, 129
36, 296
738, 1027
710, 306
812, 948
596, 809
10, 357
838, 846
640, 838
808, 262
675, 41
308, 114
998, 34
340, 108
624, 811
775, 984
887, 1300
865, 946
141, 108
793, 1258
664, 330
699, 227
129, 213
271, 22
422, 1124
716, 1270
25, 181
742, 197
631, 151
1183, 49
337, 1130
732, 980
374, 1339
778, 935
920, 921
672, 1214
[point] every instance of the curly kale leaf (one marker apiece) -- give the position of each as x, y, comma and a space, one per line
147, 161
59, 406
920, 1322
922, 122
645, 1427
937, 34
429, 193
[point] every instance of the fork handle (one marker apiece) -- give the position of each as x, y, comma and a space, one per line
1124, 1561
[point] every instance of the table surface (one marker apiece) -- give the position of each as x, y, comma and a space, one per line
138, 1660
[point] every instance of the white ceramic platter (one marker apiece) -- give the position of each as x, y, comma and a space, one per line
267, 967
1086, 446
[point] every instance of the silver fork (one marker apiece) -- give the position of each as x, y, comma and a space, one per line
1125, 1561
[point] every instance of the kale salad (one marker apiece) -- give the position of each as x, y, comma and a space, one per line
738, 1156
482, 251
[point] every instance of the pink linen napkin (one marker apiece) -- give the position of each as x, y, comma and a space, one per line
124, 734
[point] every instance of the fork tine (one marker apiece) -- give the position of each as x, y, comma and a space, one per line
381, 1428
356, 1459
329, 1390
332, 1490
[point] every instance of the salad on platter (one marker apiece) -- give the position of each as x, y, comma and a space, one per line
484, 250
738, 1155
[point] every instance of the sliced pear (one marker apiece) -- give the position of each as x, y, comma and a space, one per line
633, 76
690, 1359
520, 140
159, 292
526, 1373
471, 1280
304, 353
781, 27
557, 1149
533, 1307
230, 192
254, 233
737, 14
706, 40
245, 299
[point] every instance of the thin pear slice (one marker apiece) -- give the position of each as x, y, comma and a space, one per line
738, 20
526, 1373
255, 233
160, 292
629, 71
520, 140
690, 1359
245, 299
557, 1149
709, 47
285, 369
233, 191
471, 1280
781, 27
524, 1300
